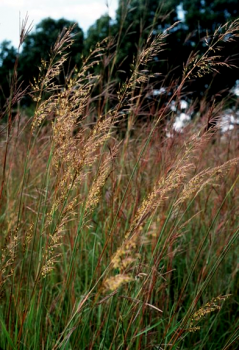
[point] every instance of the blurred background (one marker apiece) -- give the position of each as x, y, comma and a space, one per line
129, 22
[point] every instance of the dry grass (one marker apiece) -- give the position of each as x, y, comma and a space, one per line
111, 242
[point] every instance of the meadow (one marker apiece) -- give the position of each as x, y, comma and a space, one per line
118, 232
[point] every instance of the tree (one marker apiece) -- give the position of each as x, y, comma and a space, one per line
8, 56
202, 17
136, 19
206, 15
38, 44
101, 29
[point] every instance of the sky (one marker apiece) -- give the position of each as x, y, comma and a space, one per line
84, 12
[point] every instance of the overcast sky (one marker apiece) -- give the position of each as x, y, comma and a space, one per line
85, 12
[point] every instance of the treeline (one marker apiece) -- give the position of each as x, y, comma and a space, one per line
135, 20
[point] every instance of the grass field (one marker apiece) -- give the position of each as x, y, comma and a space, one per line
117, 233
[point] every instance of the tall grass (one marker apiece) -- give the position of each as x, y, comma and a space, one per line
114, 240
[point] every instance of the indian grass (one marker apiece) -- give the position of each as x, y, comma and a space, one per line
111, 242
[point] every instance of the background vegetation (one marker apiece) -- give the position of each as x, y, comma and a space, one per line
135, 19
